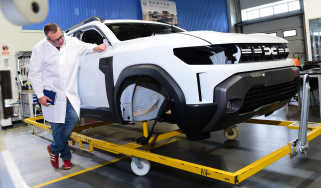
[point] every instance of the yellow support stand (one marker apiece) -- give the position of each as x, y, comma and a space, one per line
141, 157
145, 129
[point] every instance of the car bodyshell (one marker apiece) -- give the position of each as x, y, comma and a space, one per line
157, 52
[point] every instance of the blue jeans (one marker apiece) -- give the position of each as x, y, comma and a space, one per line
61, 133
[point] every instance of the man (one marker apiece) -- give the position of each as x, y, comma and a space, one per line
53, 67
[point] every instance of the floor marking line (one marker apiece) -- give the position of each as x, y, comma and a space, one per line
79, 172
98, 166
2, 143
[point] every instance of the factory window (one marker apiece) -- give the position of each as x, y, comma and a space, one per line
294, 5
281, 8
289, 33
315, 36
268, 11
272, 34
253, 14
92, 36
271, 9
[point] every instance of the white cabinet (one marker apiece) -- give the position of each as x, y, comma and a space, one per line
29, 103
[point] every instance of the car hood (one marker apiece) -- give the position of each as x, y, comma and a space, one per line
213, 37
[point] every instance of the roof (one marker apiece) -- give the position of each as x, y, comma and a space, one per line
131, 21
92, 19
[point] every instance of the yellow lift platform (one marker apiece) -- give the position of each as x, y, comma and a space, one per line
142, 154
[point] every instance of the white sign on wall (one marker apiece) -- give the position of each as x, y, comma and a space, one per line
160, 11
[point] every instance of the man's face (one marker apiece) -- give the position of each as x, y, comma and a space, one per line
56, 39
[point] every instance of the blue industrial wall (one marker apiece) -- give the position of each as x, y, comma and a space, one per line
192, 14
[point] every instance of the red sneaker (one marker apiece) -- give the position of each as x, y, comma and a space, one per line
67, 164
54, 159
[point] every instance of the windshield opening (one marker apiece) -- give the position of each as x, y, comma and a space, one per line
128, 31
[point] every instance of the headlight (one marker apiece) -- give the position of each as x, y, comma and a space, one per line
207, 55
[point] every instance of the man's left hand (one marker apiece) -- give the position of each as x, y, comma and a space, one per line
100, 48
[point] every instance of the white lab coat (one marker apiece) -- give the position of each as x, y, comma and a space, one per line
57, 70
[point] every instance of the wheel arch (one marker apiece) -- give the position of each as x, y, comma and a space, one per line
159, 75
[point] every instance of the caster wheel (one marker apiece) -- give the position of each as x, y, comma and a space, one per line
140, 167
231, 133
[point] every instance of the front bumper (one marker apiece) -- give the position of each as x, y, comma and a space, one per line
241, 97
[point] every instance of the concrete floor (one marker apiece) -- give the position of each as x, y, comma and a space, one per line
23, 156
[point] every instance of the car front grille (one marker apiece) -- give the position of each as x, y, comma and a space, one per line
262, 52
259, 96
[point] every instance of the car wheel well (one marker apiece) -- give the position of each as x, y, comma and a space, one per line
151, 83
141, 80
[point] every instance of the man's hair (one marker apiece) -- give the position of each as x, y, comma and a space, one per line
50, 27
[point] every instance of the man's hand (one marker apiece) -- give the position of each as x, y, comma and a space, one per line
100, 48
43, 100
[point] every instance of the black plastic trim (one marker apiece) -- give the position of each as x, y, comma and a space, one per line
237, 86
199, 87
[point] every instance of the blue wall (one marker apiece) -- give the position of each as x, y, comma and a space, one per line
192, 14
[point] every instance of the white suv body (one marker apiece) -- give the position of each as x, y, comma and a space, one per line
212, 80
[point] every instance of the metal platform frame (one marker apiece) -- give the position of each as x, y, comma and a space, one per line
139, 152
132, 149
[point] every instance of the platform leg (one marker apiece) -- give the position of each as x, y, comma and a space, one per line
319, 89
305, 112
300, 145
33, 130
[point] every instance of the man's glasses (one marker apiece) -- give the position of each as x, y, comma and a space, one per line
57, 40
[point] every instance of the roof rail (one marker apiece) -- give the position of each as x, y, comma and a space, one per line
91, 19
